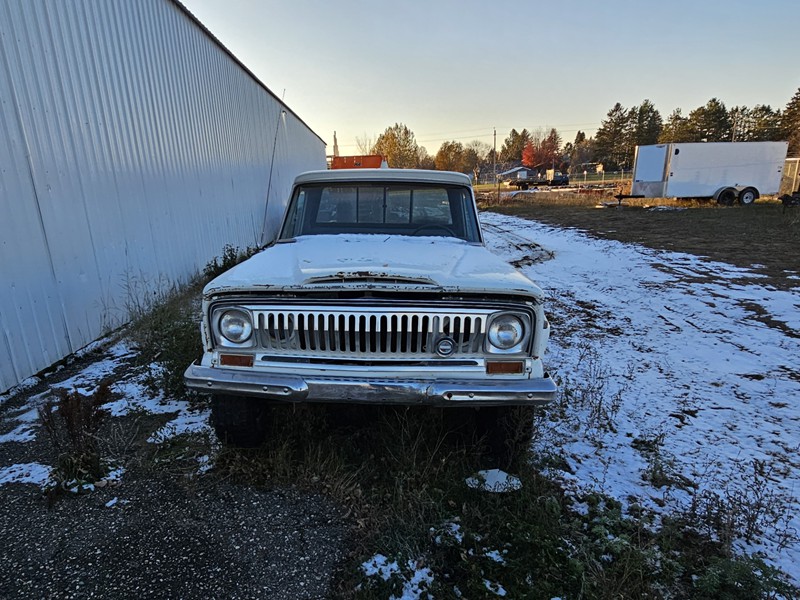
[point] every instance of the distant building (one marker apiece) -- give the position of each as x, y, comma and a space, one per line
518, 173
370, 161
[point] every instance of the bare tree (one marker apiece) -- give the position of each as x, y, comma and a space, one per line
425, 160
482, 149
365, 144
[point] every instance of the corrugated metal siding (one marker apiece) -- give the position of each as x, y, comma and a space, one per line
133, 149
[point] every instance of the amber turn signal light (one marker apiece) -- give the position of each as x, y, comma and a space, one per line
236, 360
505, 367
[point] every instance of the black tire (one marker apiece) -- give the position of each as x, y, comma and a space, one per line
726, 197
240, 421
460, 424
748, 196
508, 431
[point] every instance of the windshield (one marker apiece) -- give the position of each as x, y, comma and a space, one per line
395, 209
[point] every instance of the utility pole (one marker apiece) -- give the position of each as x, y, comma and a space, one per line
494, 162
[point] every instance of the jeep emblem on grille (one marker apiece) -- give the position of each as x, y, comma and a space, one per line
445, 346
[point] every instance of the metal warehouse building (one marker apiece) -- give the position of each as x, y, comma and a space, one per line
133, 147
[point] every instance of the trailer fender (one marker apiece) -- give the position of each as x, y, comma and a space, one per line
725, 196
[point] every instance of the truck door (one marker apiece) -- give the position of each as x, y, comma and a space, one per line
649, 173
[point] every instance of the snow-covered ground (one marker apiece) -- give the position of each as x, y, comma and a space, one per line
131, 396
681, 381
671, 378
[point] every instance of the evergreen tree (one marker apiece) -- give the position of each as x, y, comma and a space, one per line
765, 124
513, 146
759, 124
676, 129
790, 124
740, 123
648, 124
549, 155
613, 138
582, 153
710, 123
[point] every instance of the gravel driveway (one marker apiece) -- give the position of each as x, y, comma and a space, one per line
155, 532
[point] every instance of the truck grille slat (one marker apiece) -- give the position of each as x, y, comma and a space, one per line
387, 332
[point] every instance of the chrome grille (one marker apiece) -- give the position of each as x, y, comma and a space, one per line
387, 332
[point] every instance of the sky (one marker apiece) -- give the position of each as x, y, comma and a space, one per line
456, 70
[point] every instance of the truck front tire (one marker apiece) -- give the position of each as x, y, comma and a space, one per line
240, 421
508, 431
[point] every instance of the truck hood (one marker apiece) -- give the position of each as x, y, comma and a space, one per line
401, 263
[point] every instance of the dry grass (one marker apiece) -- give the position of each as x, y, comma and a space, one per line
762, 234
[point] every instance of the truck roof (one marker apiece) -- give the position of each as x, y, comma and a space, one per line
388, 175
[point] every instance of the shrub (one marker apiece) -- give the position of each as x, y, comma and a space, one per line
168, 334
231, 256
72, 422
743, 578
168, 338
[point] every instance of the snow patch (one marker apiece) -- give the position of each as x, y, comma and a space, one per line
88, 379
676, 386
494, 587
495, 556
494, 481
380, 566
452, 531
416, 580
34, 473
185, 422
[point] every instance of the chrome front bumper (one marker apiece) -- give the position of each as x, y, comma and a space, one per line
435, 392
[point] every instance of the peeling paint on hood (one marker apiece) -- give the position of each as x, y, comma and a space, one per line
345, 262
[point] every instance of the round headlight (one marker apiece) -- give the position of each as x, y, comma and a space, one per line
235, 325
506, 331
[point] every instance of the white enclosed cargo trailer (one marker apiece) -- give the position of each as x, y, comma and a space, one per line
724, 171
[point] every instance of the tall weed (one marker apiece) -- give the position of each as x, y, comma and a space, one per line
72, 422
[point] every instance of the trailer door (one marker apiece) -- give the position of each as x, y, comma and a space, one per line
649, 173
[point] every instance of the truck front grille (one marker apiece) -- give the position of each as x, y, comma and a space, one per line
373, 332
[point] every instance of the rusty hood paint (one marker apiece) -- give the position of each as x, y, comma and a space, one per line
402, 263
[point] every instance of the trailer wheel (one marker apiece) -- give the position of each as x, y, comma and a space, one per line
748, 195
725, 196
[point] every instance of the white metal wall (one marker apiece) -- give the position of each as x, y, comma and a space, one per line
133, 147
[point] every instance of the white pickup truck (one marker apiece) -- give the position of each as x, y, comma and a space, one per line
378, 290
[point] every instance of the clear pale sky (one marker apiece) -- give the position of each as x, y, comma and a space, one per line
453, 70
